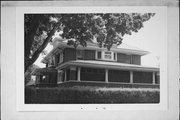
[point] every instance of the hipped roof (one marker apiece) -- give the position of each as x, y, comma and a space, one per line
123, 48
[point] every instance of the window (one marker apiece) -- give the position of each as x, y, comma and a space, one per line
131, 59
115, 56
99, 55
80, 54
58, 57
52, 61
61, 57
106, 55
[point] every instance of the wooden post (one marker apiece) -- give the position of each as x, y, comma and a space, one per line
154, 78
131, 76
106, 75
59, 80
79, 74
65, 75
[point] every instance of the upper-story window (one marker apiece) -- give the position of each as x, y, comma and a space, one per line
61, 57
52, 61
80, 54
99, 56
106, 55
58, 57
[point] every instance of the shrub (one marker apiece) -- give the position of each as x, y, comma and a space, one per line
90, 94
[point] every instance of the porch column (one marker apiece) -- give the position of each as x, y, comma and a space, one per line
59, 79
79, 74
65, 75
131, 76
106, 75
154, 79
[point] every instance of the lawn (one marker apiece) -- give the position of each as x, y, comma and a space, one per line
76, 94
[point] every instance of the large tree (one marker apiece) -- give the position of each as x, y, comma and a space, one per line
106, 28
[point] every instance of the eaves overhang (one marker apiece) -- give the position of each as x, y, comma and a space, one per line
107, 65
94, 46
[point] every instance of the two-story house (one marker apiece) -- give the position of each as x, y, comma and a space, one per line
121, 65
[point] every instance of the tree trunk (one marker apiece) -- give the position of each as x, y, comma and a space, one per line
29, 38
30, 61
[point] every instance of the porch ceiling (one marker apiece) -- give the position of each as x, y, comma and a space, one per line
107, 65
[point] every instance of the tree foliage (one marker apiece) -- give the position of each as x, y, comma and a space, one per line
28, 72
106, 28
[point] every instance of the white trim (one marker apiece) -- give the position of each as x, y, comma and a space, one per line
103, 55
65, 75
61, 57
79, 74
106, 75
59, 82
59, 76
154, 78
115, 82
109, 65
131, 76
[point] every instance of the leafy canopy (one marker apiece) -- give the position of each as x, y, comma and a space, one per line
106, 28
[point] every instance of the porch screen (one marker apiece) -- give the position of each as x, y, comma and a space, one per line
142, 77
119, 76
92, 74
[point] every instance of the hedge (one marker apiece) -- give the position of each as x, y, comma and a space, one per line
89, 95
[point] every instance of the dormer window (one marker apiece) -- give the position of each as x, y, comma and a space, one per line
106, 55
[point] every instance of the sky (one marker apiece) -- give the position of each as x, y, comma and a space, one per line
147, 38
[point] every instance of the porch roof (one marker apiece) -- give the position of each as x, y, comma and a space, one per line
107, 65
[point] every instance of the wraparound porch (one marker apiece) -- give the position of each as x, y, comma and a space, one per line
100, 75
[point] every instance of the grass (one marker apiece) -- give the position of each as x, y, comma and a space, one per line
77, 94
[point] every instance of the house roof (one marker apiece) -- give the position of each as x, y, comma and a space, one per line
108, 65
123, 48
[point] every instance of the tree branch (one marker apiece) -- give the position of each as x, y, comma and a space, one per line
29, 38
41, 48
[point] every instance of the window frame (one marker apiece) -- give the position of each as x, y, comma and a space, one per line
100, 54
61, 57
103, 53
80, 54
